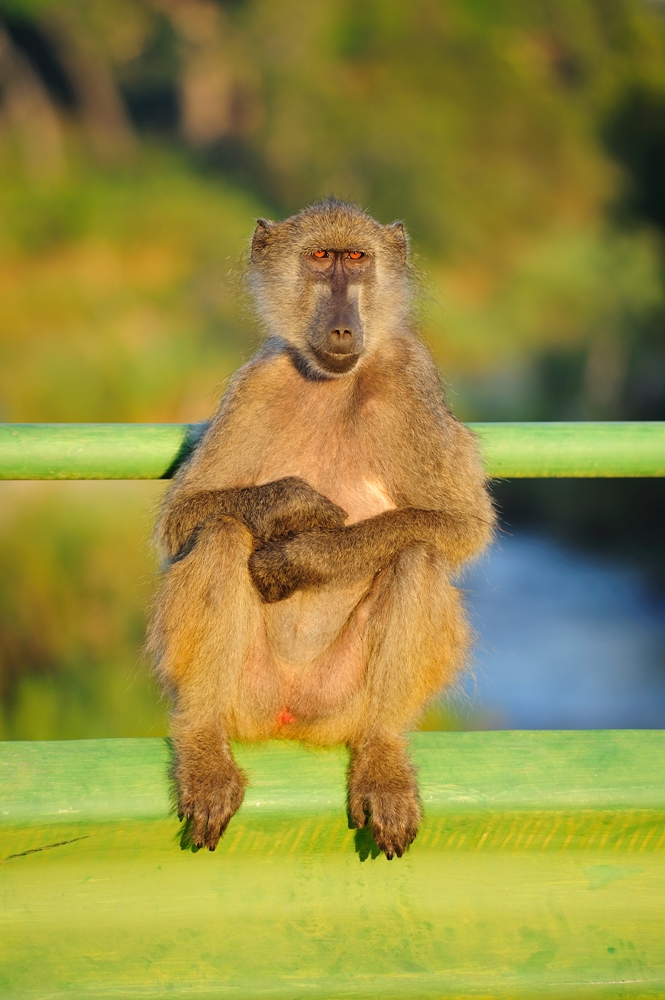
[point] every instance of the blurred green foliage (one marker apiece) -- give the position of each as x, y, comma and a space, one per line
75, 579
522, 141
114, 305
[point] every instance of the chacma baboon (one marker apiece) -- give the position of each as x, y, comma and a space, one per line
311, 538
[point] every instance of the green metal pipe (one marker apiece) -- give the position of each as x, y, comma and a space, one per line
539, 870
94, 451
153, 451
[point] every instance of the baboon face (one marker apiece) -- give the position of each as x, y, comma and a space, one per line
336, 334
331, 282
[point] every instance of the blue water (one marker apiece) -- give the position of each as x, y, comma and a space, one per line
565, 641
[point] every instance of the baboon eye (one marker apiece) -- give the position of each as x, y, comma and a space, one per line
320, 254
356, 254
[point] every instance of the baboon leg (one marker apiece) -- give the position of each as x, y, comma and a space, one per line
382, 788
210, 784
416, 642
207, 616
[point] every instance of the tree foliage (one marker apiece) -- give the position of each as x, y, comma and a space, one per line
522, 142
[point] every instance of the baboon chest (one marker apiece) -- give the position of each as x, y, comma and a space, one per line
315, 438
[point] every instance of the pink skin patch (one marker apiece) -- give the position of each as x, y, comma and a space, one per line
285, 717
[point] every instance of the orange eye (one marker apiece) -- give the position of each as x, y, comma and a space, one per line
356, 254
319, 254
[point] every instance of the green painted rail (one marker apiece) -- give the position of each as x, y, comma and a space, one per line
539, 872
153, 451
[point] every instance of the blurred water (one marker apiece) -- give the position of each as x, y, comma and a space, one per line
565, 641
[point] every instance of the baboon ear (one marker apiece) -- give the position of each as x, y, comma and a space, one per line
261, 235
398, 238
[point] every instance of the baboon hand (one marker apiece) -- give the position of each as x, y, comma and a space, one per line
289, 506
282, 567
279, 509
208, 800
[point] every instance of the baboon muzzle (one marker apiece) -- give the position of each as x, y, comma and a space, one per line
338, 338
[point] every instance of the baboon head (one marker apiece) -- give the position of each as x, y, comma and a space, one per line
332, 282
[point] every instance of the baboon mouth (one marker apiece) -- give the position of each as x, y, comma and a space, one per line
335, 363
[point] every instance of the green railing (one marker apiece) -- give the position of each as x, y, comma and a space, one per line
539, 869
152, 451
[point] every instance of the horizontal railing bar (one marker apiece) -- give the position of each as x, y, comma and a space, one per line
153, 451
56, 782
538, 870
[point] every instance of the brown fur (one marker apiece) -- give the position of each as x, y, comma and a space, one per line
311, 538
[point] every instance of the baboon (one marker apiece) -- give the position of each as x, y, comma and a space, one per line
311, 539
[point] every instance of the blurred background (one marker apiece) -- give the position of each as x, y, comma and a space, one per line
523, 144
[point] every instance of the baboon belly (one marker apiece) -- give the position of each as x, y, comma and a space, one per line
313, 647
306, 625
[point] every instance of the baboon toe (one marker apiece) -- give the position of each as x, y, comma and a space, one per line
357, 813
208, 803
394, 838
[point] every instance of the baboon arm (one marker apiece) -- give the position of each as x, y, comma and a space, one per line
363, 549
271, 511
376, 541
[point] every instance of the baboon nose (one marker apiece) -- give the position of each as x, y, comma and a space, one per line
337, 339
342, 341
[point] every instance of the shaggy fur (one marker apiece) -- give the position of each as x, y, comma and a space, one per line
311, 538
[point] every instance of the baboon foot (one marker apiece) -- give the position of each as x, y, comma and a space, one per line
208, 800
391, 803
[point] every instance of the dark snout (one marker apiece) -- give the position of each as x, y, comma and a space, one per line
338, 339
